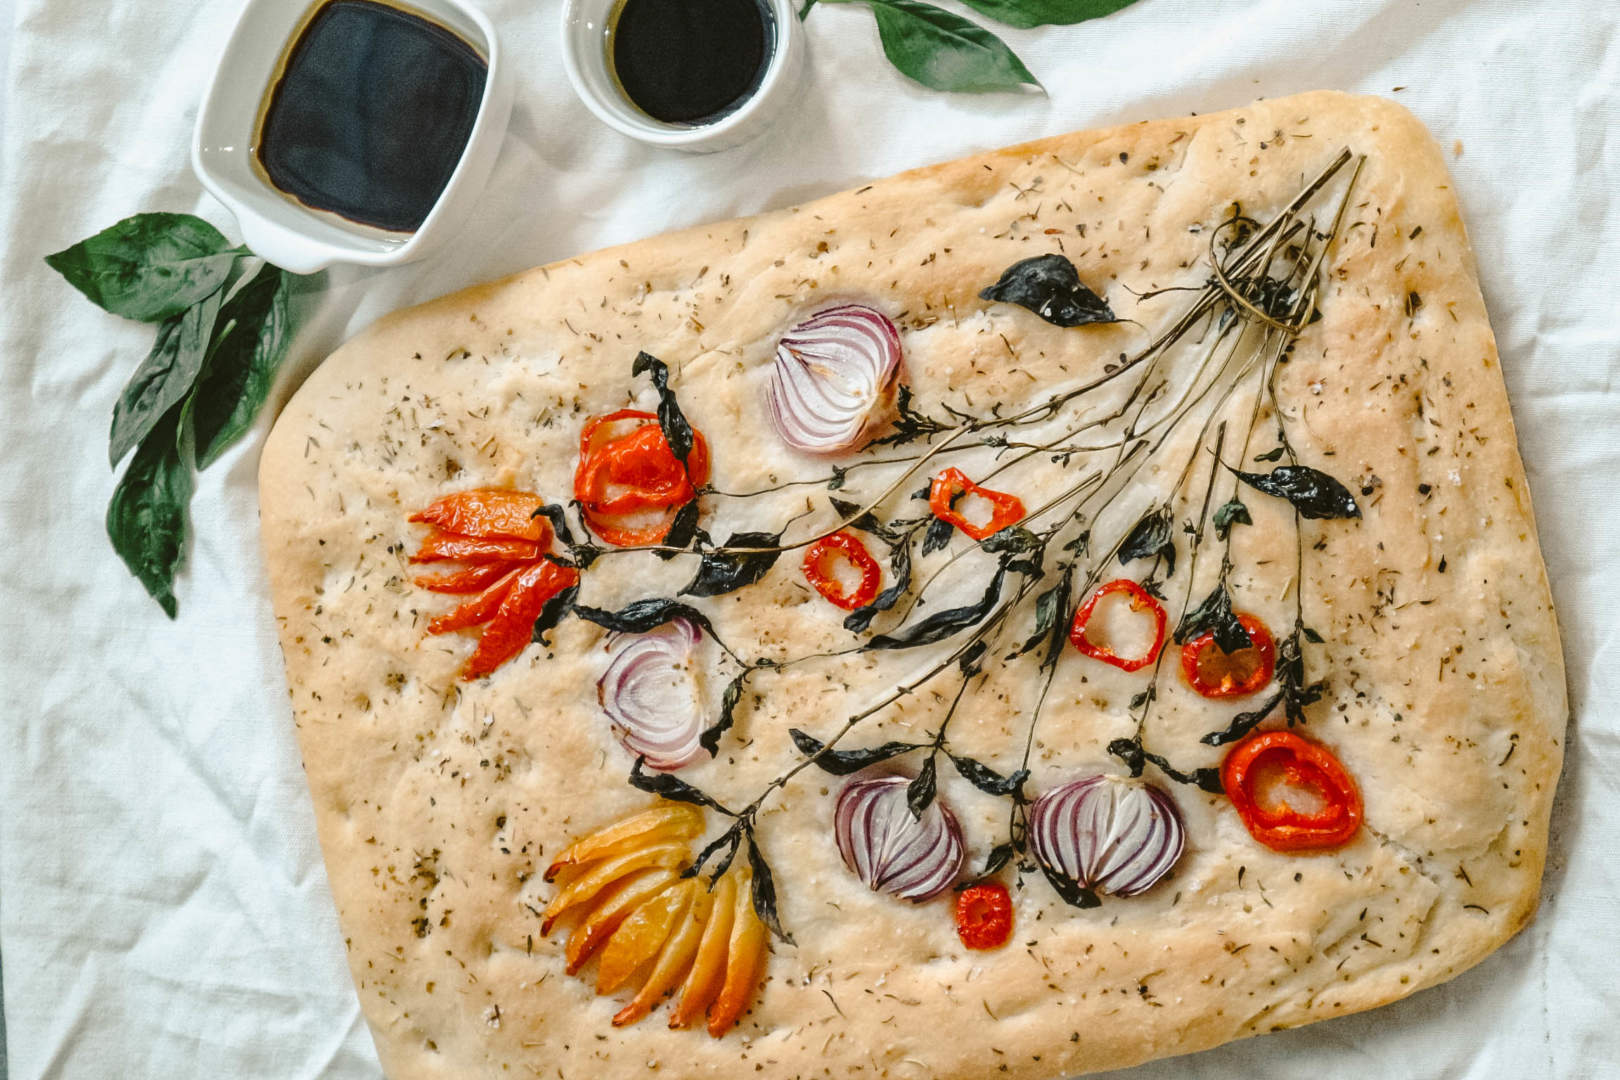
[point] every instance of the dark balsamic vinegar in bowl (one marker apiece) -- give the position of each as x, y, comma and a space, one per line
690, 62
372, 111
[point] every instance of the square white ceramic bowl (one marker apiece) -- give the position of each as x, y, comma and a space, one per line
294, 236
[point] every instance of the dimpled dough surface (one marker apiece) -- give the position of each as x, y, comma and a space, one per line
439, 802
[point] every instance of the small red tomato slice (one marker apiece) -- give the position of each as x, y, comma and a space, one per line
628, 480
984, 915
1217, 674
471, 579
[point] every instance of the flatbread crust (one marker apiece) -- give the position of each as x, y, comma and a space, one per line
438, 803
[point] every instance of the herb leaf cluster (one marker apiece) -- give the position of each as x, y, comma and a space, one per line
224, 321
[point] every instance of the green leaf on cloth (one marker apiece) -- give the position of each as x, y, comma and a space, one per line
1027, 13
944, 51
254, 328
148, 267
165, 377
146, 519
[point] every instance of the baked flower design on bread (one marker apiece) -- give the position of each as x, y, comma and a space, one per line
638, 905
1180, 636
502, 543
699, 924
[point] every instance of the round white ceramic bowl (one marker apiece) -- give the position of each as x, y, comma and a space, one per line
292, 235
585, 34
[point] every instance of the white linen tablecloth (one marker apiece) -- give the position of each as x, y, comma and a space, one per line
163, 909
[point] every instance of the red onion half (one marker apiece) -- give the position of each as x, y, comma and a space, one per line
1109, 833
650, 694
915, 859
832, 372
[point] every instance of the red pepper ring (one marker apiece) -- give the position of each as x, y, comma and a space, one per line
848, 546
984, 915
1304, 765
953, 484
1141, 600
1218, 674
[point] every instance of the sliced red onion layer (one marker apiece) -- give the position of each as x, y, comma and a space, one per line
915, 859
832, 372
650, 694
1111, 834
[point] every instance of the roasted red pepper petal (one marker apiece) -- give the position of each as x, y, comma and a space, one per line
489, 512
600, 430
479, 609
627, 468
846, 546
1305, 765
1141, 600
512, 627
634, 473
1217, 674
952, 484
622, 535
984, 915
470, 579
440, 546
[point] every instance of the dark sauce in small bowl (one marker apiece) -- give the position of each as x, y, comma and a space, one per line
371, 113
690, 61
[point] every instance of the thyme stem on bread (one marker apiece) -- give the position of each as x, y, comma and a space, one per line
1261, 292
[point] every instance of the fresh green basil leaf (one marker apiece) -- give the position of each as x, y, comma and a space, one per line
149, 267
1026, 13
146, 519
254, 329
165, 377
944, 51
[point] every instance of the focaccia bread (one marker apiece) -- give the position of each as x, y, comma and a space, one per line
1381, 528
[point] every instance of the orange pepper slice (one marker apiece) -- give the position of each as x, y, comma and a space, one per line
480, 609
469, 579
489, 513
440, 546
512, 626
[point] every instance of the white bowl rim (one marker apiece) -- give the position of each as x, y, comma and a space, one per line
630, 121
287, 229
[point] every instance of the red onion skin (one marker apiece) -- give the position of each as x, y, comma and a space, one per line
1111, 834
888, 848
640, 726
833, 376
